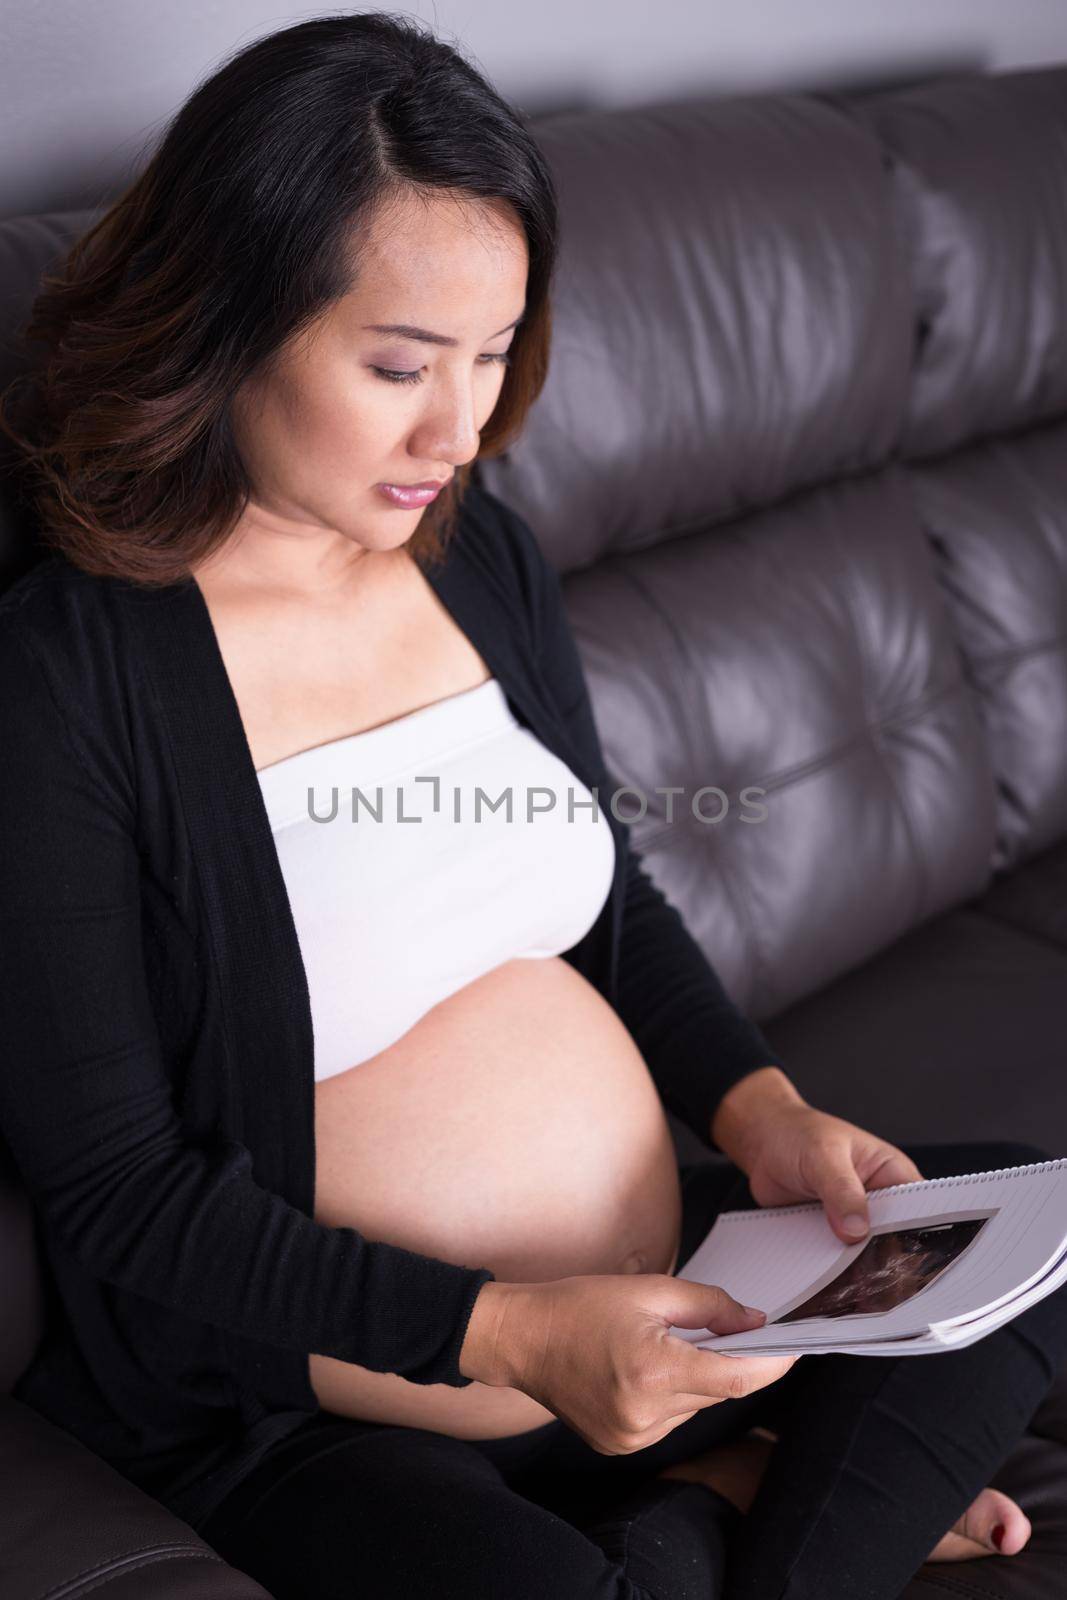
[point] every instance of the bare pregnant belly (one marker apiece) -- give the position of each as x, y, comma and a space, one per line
515, 1127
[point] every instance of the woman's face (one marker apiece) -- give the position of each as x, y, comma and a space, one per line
324, 426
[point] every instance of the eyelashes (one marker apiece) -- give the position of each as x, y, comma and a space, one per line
416, 377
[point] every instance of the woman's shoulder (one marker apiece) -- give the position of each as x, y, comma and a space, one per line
57, 599
49, 588
70, 679
57, 620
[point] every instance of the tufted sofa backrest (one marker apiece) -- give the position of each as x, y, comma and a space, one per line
980, 193
800, 458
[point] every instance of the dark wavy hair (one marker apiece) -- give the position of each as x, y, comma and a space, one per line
243, 227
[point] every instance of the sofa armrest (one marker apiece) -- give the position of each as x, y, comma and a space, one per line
71, 1525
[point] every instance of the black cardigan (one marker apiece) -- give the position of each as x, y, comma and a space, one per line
156, 1089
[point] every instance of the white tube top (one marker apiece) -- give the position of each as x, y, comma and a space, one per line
394, 915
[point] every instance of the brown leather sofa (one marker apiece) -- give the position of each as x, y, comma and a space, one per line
802, 458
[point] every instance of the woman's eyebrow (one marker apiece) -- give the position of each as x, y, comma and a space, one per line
400, 330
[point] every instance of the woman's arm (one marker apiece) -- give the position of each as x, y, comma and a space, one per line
697, 1043
695, 1040
86, 1104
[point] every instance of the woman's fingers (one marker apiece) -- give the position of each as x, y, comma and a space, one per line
704, 1376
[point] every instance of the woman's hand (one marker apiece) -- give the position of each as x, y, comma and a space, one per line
597, 1352
792, 1152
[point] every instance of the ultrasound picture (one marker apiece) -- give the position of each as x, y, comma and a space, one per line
890, 1269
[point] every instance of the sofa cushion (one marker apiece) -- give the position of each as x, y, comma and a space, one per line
955, 1032
996, 517
1033, 897
980, 186
980, 192
803, 653
732, 320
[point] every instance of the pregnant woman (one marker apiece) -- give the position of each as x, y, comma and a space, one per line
346, 1122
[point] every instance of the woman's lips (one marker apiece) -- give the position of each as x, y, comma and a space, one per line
408, 499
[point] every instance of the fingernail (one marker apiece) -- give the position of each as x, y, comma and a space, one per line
998, 1534
752, 1312
855, 1225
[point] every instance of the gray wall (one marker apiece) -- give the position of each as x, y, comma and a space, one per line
86, 86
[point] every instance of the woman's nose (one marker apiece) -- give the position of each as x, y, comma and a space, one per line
451, 430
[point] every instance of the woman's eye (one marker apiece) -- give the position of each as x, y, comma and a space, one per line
416, 376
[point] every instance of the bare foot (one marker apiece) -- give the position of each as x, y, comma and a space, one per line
736, 1470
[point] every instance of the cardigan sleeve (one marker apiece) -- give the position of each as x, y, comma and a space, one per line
694, 1039
86, 1103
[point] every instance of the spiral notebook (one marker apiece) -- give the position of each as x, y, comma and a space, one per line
946, 1261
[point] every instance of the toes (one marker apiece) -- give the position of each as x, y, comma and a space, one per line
952, 1546
991, 1511
973, 1534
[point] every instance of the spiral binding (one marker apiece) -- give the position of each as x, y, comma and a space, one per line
1058, 1165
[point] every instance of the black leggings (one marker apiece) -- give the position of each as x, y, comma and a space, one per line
877, 1458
